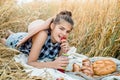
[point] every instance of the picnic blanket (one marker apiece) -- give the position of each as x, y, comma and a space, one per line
50, 74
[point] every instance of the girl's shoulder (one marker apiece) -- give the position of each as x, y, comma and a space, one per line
43, 33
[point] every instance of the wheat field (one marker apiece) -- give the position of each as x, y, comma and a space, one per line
96, 31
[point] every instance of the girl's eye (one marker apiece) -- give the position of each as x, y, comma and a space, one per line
61, 28
64, 29
68, 31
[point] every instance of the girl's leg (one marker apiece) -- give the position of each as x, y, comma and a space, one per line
3, 41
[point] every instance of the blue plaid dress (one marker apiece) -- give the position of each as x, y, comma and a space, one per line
49, 50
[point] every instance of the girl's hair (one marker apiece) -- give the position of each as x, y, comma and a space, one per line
65, 15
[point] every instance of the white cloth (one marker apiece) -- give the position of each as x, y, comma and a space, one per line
73, 58
22, 59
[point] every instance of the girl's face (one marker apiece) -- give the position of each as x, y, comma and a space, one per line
60, 30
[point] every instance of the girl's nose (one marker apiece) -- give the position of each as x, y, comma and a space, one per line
64, 33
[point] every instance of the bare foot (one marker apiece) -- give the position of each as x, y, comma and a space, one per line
9, 32
3, 41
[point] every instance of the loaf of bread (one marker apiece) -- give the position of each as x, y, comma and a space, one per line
104, 67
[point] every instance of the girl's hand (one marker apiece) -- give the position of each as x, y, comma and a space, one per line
61, 62
64, 45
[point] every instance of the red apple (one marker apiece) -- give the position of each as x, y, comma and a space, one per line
63, 37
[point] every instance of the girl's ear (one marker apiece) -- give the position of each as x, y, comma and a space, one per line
52, 26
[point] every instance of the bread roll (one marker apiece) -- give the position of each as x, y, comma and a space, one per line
87, 67
76, 68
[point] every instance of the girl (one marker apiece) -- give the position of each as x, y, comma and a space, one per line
43, 43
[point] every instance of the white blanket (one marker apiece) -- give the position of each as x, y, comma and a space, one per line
52, 74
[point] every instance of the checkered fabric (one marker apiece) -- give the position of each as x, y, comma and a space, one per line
49, 49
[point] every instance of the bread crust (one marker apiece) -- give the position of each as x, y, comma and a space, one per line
104, 67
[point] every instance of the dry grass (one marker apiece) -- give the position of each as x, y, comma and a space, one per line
97, 26
16, 18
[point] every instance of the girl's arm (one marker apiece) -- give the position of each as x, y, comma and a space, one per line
38, 41
36, 29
